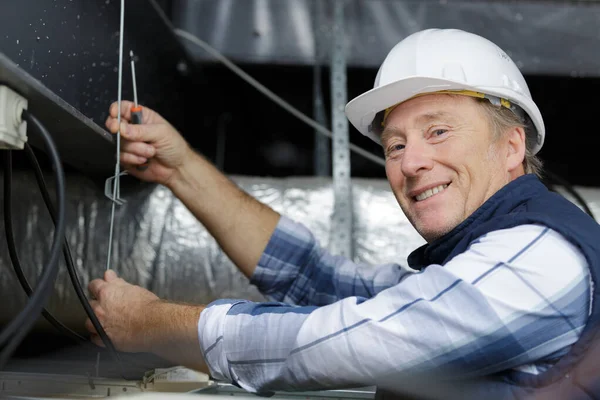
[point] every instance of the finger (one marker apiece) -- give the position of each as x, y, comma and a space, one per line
94, 303
126, 106
139, 149
95, 338
112, 124
133, 170
97, 309
110, 275
90, 327
96, 286
148, 133
148, 114
139, 172
131, 160
108, 123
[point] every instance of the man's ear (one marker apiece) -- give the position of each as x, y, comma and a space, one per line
516, 148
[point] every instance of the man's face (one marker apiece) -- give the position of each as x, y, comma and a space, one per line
442, 161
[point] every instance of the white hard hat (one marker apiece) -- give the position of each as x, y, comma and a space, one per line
439, 60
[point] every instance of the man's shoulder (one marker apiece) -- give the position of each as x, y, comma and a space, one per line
535, 250
526, 238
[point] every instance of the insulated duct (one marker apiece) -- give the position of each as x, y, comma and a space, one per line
158, 244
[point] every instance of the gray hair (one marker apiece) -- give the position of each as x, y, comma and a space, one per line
502, 119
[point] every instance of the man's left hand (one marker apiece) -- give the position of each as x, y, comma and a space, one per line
124, 311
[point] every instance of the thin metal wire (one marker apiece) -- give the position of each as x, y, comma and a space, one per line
135, 102
267, 92
116, 184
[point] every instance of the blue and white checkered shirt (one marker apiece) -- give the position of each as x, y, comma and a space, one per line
516, 300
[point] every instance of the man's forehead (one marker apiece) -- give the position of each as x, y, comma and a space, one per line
424, 107
397, 124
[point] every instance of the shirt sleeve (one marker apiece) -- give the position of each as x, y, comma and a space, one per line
294, 269
516, 298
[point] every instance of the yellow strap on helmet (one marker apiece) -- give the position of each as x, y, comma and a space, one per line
493, 99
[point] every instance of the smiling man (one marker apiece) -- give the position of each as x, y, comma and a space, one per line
502, 303
443, 165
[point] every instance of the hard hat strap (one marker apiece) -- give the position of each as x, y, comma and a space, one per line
380, 117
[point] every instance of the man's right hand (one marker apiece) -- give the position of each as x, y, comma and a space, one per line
154, 141
241, 225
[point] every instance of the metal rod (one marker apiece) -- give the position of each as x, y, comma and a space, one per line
135, 101
342, 219
116, 187
321, 152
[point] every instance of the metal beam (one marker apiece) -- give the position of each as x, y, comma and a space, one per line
341, 240
373, 27
322, 159
80, 141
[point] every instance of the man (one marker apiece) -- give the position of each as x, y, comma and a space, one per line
503, 291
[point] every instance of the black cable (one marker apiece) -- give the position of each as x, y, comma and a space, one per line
66, 251
12, 248
569, 188
67, 254
18, 328
71, 266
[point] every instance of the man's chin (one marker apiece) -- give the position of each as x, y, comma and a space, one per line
432, 230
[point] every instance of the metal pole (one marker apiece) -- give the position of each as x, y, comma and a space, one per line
322, 157
341, 240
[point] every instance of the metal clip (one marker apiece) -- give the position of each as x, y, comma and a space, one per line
109, 189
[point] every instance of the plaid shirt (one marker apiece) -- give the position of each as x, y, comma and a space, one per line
514, 302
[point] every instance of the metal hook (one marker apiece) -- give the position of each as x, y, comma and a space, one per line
109, 189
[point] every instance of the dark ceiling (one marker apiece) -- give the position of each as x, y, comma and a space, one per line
225, 118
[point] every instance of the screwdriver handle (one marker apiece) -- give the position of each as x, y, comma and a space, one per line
136, 115
136, 119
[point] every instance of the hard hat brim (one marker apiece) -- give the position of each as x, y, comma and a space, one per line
362, 110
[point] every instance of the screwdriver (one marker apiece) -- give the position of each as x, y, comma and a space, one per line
136, 110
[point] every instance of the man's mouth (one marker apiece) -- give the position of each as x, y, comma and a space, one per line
430, 192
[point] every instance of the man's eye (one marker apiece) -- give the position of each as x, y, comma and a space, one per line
394, 149
439, 132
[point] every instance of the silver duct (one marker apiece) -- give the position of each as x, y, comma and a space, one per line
158, 244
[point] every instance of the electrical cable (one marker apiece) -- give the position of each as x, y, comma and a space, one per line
12, 249
39, 175
275, 98
70, 265
18, 328
569, 188
66, 250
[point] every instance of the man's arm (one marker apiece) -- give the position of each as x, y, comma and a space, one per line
507, 303
136, 320
240, 224
175, 334
295, 269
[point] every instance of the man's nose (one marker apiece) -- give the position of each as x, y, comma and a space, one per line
417, 158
